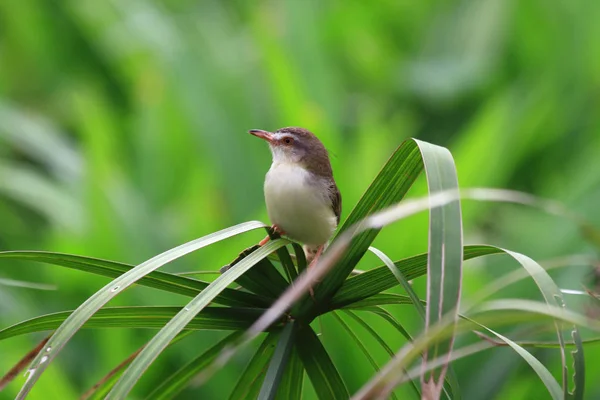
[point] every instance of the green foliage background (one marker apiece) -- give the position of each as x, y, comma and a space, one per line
123, 133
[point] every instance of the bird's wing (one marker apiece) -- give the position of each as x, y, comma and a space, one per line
336, 201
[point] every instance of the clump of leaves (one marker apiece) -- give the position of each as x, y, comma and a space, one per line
273, 301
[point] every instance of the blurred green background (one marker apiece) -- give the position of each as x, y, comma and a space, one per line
123, 133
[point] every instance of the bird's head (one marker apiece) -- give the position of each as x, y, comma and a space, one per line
298, 146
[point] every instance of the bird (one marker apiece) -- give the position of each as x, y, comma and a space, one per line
303, 201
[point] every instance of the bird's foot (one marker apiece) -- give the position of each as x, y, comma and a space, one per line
274, 230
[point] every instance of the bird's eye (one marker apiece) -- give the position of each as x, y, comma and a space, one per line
288, 140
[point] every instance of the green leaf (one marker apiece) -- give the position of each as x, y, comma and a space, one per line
104, 295
379, 300
263, 278
25, 284
325, 378
178, 381
552, 296
293, 378
381, 342
249, 384
179, 321
359, 344
535, 308
150, 317
546, 377
381, 278
278, 363
578, 366
157, 279
287, 263
401, 280
300, 257
445, 258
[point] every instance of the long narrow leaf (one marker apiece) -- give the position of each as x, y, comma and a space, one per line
150, 317
381, 342
545, 375
325, 378
553, 297
104, 295
379, 300
178, 381
381, 278
166, 334
293, 378
359, 344
157, 279
445, 257
401, 280
249, 384
278, 363
389, 376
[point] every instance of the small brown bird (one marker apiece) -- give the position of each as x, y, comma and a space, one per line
303, 201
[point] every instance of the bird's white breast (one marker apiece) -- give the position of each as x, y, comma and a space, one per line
298, 204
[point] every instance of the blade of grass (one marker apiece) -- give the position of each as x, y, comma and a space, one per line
293, 378
288, 264
263, 278
300, 257
378, 300
150, 317
578, 366
545, 376
104, 295
177, 323
381, 342
278, 363
451, 384
174, 384
248, 385
325, 378
536, 308
389, 376
26, 285
376, 280
401, 279
444, 262
157, 279
359, 344
551, 294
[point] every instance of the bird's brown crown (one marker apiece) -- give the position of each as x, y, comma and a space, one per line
316, 156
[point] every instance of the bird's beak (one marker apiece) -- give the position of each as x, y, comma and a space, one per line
268, 136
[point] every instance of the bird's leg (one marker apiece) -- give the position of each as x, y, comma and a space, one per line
274, 231
312, 263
